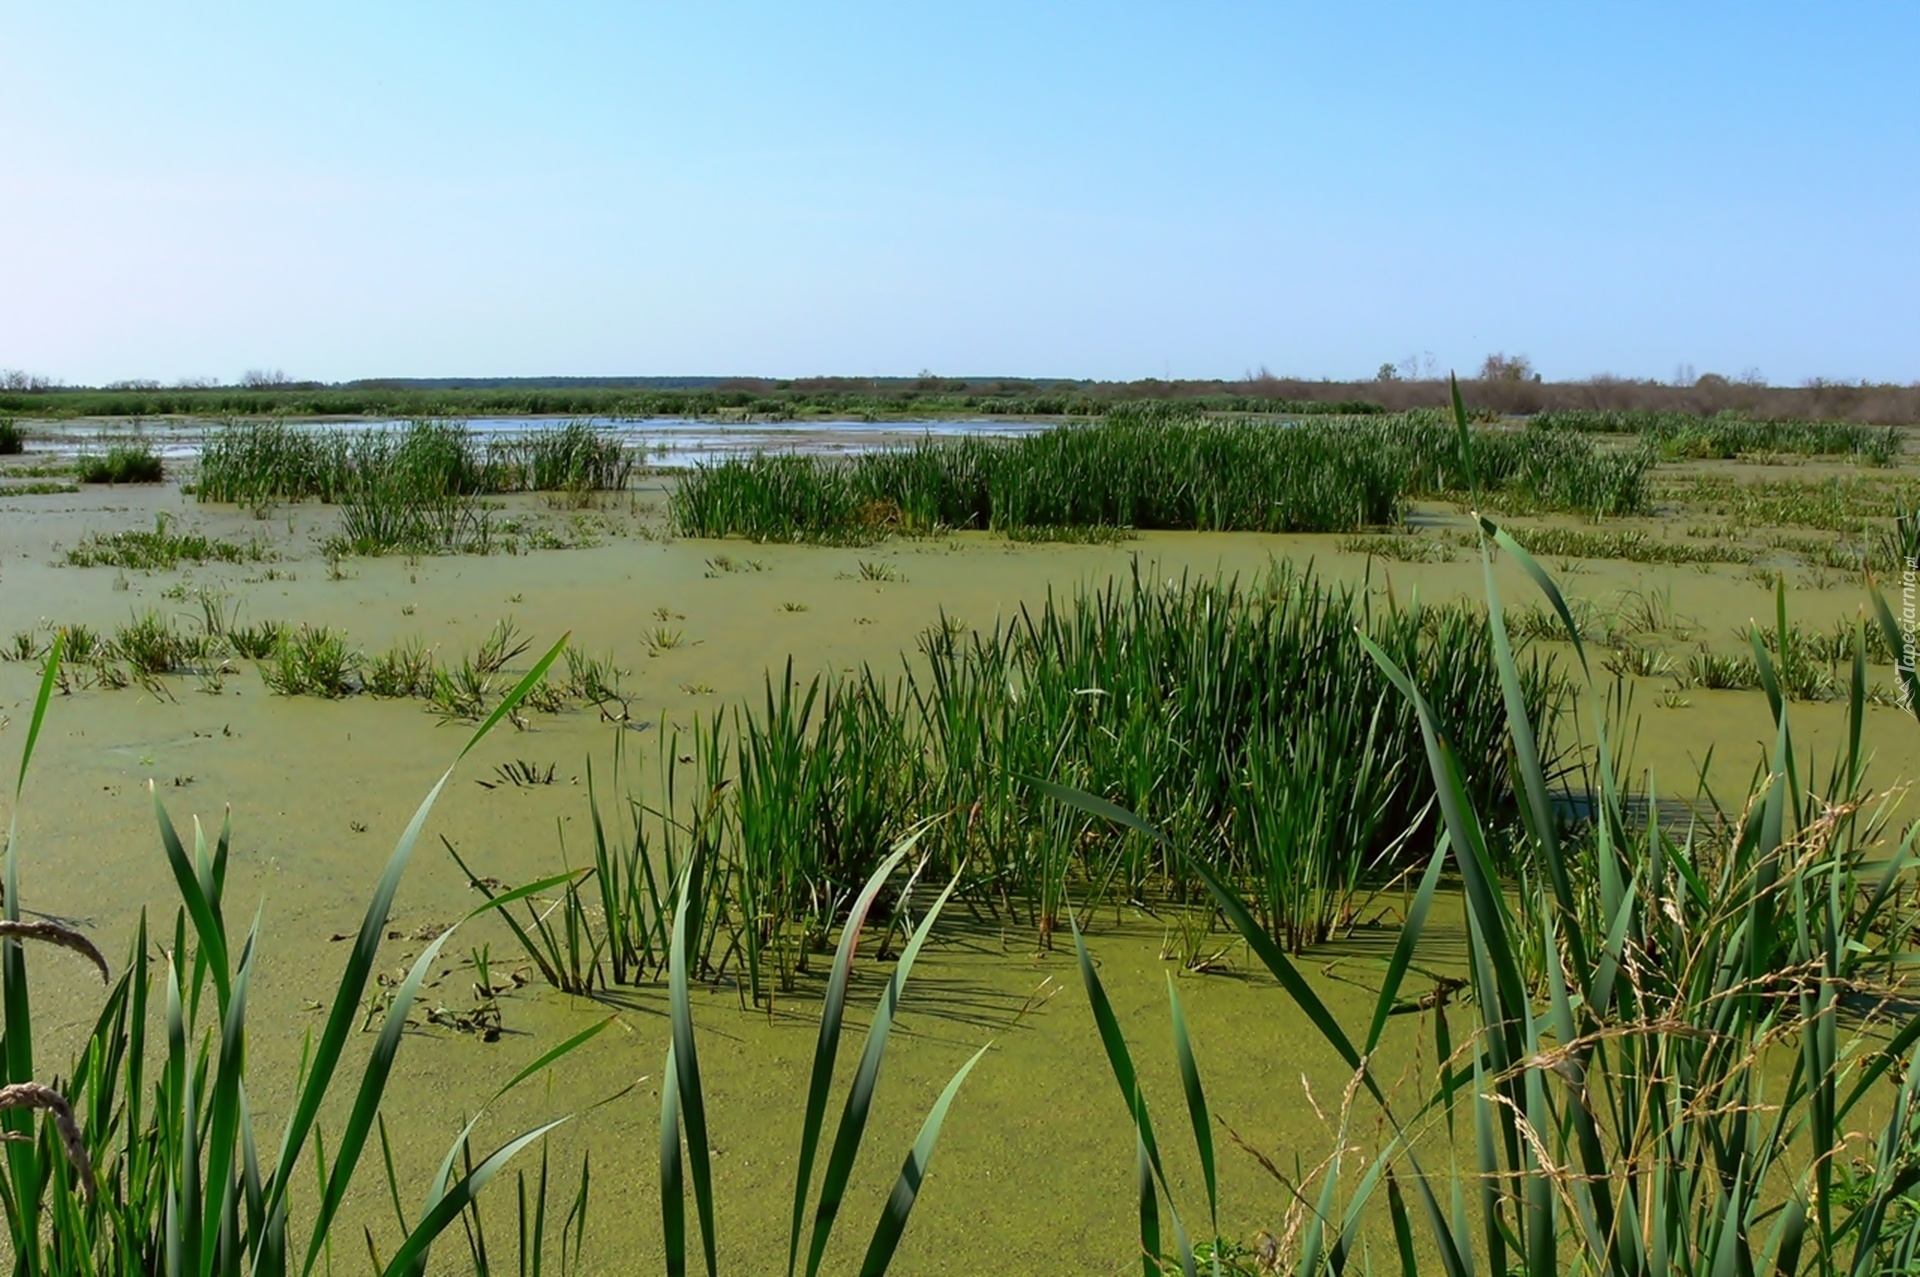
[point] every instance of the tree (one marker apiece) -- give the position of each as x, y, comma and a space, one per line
1501, 366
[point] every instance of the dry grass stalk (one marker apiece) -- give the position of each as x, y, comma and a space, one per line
34, 1095
65, 937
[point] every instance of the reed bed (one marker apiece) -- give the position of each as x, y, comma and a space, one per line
1679, 1047
1680, 434
415, 490
1143, 469
1245, 717
124, 461
150, 1159
256, 462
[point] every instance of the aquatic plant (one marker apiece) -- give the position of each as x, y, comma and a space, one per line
123, 462
313, 661
151, 644
1145, 468
13, 440
1619, 1086
425, 463
574, 457
683, 1105
1185, 698
1630, 544
162, 549
257, 641
1680, 434
403, 670
151, 1159
1723, 672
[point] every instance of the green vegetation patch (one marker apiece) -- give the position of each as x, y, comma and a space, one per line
125, 462
254, 463
1247, 718
161, 549
1160, 468
1681, 434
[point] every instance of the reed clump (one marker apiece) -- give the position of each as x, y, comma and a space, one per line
124, 461
414, 490
1150, 468
151, 1159
1725, 437
1688, 1040
162, 549
261, 462
1247, 718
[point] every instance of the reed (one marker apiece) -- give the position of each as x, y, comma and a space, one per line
261, 462
162, 549
1618, 1066
151, 1159
1147, 468
1679, 434
124, 461
1189, 699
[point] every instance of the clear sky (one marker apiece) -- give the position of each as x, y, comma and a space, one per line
1114, 190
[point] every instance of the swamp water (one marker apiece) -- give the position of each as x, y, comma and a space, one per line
1034, 1169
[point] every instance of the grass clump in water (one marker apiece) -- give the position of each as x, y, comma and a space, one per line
161, 549
403, 670
1685, 435
123, 462
1234, 713
151, 644
1145, 469
313, 661
1630, 1014
260, 462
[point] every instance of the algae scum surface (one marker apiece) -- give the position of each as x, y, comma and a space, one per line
1036, 1160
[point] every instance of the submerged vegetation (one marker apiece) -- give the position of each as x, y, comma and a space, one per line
1158, 468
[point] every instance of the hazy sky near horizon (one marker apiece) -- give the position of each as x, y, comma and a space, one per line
1115, 191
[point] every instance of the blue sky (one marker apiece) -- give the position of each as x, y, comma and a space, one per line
1114, 191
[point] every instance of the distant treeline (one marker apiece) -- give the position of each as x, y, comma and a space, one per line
897, 398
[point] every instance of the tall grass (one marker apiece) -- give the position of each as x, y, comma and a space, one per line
151, 1160
1681, 434
256, 462
124, 461
1161, 468
414, 490
1246, 719
1671, 1042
